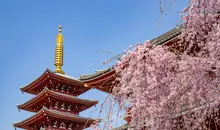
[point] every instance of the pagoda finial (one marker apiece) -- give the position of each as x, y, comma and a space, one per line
58, 60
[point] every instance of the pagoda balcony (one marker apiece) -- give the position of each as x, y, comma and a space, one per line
57, 101
54, 120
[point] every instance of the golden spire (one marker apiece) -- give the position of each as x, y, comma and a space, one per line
58, 60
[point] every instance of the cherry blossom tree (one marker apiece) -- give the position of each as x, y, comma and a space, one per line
168, 90
161, 86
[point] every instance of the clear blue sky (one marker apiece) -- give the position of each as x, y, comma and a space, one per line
28, 30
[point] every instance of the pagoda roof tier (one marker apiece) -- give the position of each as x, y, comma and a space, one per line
46, 115
48, 96
49, 77
102, 80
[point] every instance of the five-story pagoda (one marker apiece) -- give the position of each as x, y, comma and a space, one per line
56, 105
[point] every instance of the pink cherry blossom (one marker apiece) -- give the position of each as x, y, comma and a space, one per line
165, 89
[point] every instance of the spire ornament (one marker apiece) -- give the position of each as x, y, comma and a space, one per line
58, 60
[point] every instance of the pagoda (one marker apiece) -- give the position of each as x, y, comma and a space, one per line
55, 104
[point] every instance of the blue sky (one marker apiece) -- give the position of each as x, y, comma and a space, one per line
28, 31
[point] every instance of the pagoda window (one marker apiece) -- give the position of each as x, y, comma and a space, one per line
55, 124
68, 89
63, 88
43, 125
77, 126
51, 81
48, 118
57, 88
63, 106
70, 127
69, 107
71, 91
56, 105
62, 125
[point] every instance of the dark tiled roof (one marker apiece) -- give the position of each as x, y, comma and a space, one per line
167, 36
84, 77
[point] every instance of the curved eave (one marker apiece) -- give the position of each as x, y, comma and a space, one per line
44, 112
48, 74
34, 100
100, 77
103, 82
36, 81
97, 76
48, 93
